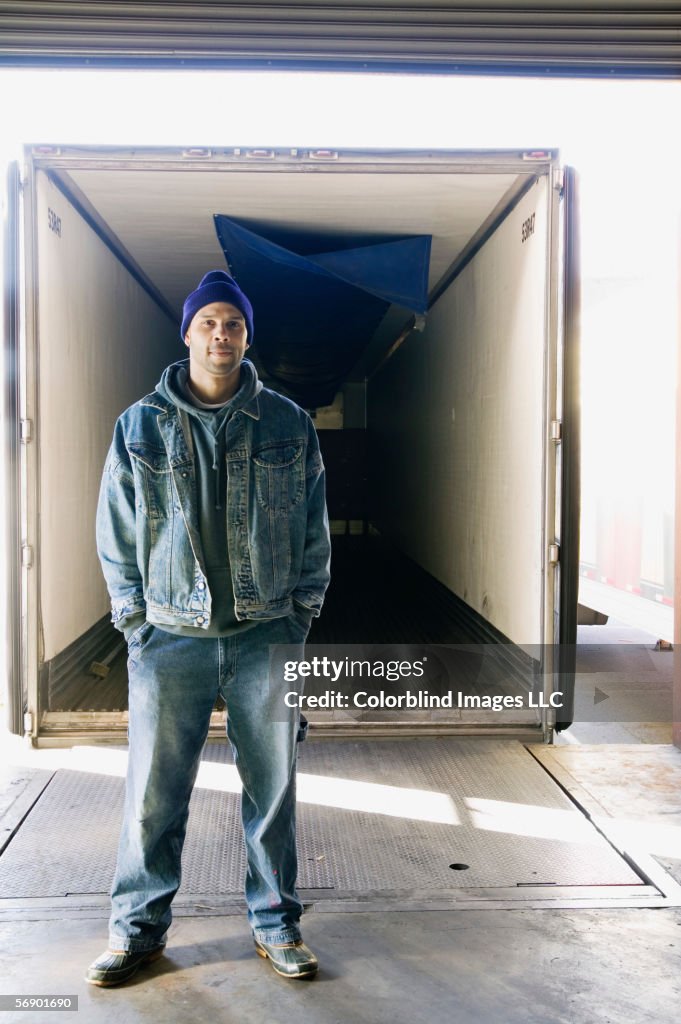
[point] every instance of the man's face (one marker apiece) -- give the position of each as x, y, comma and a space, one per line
217, 339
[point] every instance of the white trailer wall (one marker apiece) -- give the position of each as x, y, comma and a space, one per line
456, 421
102, 342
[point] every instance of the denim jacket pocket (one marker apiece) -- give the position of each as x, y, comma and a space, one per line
152, 472
279, 476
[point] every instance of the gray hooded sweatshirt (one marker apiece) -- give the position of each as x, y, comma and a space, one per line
208, 424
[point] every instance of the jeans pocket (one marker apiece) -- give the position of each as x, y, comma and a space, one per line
137, 640
301, 622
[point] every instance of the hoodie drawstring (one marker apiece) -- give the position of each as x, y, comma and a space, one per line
216, 467
219, 459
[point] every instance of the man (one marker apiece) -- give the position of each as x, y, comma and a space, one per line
213, 537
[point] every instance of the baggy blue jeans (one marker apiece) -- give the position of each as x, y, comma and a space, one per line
173, 685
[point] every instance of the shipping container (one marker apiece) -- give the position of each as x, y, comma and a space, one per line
450, 435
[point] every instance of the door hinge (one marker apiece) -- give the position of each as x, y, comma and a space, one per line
26, 431
554, 554
28, 723
27, 556
556, 430
559, 180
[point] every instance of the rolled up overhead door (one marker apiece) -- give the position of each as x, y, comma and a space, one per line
561, 37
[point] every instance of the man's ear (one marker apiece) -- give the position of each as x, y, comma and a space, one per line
186, 339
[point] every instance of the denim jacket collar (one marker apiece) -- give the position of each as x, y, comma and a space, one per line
157, 401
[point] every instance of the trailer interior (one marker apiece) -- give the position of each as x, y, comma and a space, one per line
443, 475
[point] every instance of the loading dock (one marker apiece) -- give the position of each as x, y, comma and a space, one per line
477, 823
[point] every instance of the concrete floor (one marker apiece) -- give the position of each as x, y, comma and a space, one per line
496, 967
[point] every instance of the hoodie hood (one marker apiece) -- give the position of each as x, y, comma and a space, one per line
175, 381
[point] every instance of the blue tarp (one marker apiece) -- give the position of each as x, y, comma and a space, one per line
315, 312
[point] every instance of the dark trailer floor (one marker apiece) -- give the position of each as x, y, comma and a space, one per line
377, 596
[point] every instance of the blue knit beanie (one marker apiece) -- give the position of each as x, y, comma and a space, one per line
216, 286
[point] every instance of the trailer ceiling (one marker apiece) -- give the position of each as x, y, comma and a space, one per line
558, 37
164, 218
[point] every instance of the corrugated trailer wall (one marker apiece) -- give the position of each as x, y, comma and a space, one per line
456, 431
102, 342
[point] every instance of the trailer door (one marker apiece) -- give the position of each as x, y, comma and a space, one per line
12, 447
567, 534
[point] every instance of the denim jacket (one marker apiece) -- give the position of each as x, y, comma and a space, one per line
147, 528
